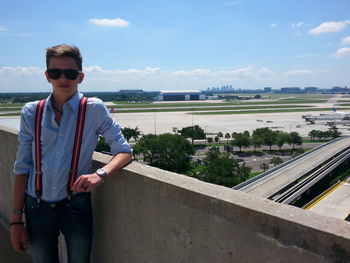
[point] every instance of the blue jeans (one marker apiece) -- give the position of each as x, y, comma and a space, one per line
45, 221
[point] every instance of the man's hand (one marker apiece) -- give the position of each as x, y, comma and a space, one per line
19, 238
86, 183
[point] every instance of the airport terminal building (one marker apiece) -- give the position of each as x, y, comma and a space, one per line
180, 95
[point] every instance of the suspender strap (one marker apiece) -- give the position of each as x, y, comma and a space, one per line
76, 150
38, 119
77, 144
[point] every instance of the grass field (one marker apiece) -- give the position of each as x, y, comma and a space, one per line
270, 103
206, 104
265, 111
208, 109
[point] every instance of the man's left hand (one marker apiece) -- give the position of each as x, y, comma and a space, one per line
86, 183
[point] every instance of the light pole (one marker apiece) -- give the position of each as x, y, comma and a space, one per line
155, 122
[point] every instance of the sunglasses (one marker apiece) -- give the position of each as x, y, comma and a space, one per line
55, 73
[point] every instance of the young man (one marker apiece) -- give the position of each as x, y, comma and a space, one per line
52, 205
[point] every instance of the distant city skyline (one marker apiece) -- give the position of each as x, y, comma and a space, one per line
179, 45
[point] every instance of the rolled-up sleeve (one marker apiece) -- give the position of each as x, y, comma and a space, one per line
111, 131
24, 158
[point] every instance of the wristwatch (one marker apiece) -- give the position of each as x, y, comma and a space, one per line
102, 173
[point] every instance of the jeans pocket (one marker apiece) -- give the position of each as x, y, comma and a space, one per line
80, 204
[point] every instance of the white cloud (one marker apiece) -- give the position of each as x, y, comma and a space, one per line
273, 25
342, 52
299, 24
300, 72
264, 72
195, 72
233, 3
20, 71
329, 27
346, 41
23, 79
4, 30
8, 32
154, 78
117, 22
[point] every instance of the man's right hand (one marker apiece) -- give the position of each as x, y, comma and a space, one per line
19, 238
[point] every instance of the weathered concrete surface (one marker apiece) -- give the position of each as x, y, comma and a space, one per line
145, 214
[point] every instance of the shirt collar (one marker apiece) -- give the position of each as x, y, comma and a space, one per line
73, 102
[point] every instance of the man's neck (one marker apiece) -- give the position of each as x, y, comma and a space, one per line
61, 99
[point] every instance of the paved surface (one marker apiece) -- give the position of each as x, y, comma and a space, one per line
269, 185
254, 160
334, 203
163, 122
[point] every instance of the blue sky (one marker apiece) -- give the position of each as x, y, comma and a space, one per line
179, 45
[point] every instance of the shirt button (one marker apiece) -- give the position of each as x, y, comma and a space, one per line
58, 152
55, 170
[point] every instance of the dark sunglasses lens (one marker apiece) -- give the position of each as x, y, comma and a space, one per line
54, 73
70, 74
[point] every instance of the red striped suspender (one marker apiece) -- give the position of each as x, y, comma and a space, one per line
77, 144
76, 150
38, 119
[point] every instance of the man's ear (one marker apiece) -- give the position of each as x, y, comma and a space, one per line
47, 77
81, 77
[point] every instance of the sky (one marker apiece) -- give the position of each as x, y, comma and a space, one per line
180, 44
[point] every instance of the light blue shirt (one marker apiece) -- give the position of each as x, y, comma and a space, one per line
57, 143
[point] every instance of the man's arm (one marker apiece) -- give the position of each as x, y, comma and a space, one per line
88, 182
19, 236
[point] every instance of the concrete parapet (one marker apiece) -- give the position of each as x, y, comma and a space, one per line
144, 214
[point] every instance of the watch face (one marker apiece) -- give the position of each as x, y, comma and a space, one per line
101, 172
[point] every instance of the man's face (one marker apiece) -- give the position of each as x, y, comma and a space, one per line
64, 85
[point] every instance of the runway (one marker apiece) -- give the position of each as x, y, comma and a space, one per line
163, 122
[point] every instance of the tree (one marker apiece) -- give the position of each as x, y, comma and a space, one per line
313, 134
246, 133
131, 133
209, 139
276, 161
220, 135
166, 151
216, 139
193, 132
319, 135
256, 141
240, 140
267, 135
264, 167
227, 136
296, 139
222, 170
269, 139
102, 146
282, 138
334, 133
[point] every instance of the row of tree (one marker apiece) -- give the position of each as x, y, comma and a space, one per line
173, 152
105, 96
322, 135
265, 136
220, 168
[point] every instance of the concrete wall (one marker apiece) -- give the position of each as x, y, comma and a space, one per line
145, 214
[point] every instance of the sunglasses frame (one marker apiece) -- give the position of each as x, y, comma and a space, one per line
56, 73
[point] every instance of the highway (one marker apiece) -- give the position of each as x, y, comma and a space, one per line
268, 184
335, 202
